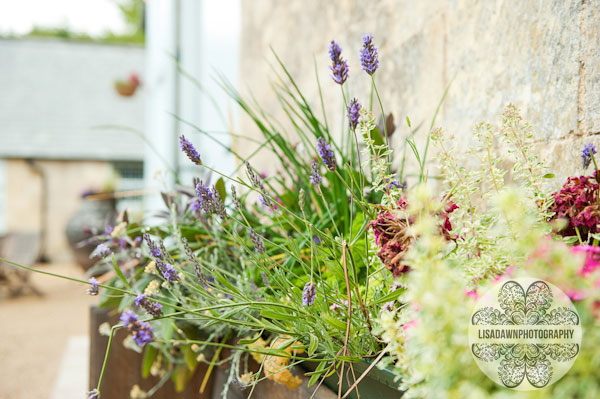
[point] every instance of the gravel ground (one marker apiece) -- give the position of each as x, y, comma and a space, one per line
34, 332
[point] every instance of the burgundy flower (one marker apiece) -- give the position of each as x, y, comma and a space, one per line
577, 203
392, 238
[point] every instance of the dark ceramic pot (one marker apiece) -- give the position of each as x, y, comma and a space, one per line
377, 383
90, 220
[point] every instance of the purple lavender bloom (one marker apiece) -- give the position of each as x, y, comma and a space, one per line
167, 270
587, 154
194, 260
155, 250
265, 279
317, 240
353, 113
218, 205
236, 200
188, 148
141, 330
257, 184
122, 243
209, 201
258, 244
137, 241
388, 306
93, 290
309, 293
395, 183
368, 55
326, 154
205, 197
101, 251
153, 308
108, 230
315, 177
339, 66
253, 286
94, 394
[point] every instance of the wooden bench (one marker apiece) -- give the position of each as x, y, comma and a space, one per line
23, 248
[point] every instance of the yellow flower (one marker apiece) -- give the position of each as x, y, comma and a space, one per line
152, 288
118, 229
137, 393
246, 379
275, 367
150, 268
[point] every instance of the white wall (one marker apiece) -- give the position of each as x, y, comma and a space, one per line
205, 35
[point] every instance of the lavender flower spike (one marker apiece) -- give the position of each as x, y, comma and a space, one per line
155, 250
353, 113
188, 148
94, 394
587, 154
265, 279
93, 290
368, 55
101, 251
258, 244
141, 330
309, 293
326, 154
167, 270
315, 177
339, 66
153, 308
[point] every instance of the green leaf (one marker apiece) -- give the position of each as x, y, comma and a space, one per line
120, 273
269, 314
220, 186
316, 374
247, 341
313, 344
389, 297
190, 357
148, 361
549, 176
335, 323
180, 377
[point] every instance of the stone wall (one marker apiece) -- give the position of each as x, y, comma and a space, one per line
542, 56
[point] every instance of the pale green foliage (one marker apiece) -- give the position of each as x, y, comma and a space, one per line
432, 355
474, 180
377, 158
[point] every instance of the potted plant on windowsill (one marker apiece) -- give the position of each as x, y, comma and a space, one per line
127, 88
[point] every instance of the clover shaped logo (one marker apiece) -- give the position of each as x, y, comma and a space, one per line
525, 338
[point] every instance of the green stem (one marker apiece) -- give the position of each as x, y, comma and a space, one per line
110, 338
387, 139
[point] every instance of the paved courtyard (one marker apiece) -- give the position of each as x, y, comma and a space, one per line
43, 340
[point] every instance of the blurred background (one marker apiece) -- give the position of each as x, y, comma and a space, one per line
89, 91
94, 93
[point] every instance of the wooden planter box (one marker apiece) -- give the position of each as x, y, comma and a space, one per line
124, 371
124, 366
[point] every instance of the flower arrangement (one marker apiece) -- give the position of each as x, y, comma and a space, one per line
338, 258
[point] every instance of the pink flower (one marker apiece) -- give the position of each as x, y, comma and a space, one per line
410, 324
507, 273
576, 295
472, 294
592, 258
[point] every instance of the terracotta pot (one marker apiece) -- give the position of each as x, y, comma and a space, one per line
126, 89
